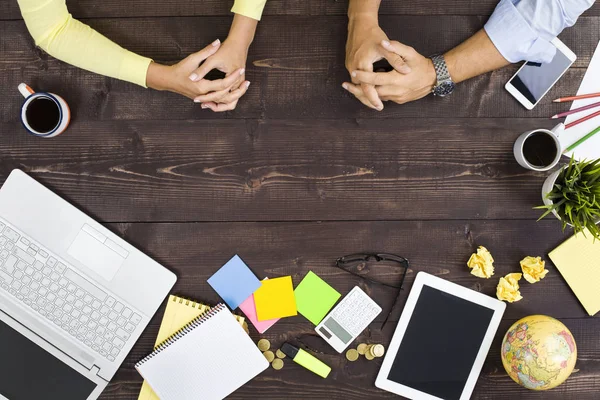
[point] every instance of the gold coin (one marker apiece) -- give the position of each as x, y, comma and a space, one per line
352, 355
280, 354
368, 349
264, 345
378, 350
277, 364
361, 348
269, 355
369, 356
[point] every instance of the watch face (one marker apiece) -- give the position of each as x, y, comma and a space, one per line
444, 88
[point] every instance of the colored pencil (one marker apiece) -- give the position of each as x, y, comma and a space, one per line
583, 139
572, 124
584, 108
572, 98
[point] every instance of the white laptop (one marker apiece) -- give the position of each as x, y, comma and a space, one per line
74, 297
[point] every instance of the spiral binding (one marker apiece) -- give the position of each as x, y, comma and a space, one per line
182, 332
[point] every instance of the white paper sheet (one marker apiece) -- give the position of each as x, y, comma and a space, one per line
590, 149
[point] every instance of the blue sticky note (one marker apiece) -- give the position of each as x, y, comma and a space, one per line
234, 282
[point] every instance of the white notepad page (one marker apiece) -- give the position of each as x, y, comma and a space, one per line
590, 149
209, 362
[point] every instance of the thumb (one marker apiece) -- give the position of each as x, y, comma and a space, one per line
199, 56
398, 55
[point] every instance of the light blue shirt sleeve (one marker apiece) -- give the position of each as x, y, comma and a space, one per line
523, 29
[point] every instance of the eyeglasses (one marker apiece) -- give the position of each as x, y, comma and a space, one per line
354, 260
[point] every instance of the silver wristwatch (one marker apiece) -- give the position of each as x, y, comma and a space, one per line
444, 85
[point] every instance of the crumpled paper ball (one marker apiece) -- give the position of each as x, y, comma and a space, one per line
508, 288
481, 263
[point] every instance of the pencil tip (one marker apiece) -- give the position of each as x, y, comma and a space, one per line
554, 117
556, 101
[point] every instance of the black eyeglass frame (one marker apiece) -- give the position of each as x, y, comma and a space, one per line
355, 259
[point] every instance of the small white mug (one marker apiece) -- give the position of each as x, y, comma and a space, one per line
553, 134
48, 119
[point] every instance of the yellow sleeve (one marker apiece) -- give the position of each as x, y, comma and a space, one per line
249, 8
56, 32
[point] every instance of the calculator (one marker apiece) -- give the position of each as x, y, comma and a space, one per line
348, 319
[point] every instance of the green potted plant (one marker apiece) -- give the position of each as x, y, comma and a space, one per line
572, 194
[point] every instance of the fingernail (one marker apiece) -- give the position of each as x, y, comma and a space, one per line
193, 77
405, 69
216, 42
354, 74
203, 105
345, 86
247, 84
380, 107
197, 101
242, 71
385, 43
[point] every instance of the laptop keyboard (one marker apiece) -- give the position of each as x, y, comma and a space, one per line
53, 289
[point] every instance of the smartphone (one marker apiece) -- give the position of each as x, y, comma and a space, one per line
533, 80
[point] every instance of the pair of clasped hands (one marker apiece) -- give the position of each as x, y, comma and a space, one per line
412, 77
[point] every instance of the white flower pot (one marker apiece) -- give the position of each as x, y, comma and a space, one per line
547, 188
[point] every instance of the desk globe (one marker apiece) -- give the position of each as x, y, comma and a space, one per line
538, 352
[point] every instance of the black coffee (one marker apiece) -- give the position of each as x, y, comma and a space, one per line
540, 149
43, 114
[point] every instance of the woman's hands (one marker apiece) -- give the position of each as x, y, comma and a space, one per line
230, 58
175, 78
188, 76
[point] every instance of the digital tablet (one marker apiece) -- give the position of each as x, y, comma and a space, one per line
441, 341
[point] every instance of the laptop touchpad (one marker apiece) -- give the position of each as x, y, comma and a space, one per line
95, 255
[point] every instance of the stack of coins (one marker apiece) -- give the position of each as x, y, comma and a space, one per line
370, 351
277, 363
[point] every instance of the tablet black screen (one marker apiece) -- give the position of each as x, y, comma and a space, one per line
440, 344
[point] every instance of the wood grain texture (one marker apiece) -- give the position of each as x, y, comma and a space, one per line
173, 8
195, 251
296, 67
301, 173
284, 170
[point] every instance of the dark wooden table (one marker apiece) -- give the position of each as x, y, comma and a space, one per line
301, 173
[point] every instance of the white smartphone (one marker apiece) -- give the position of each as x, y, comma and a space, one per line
533, 80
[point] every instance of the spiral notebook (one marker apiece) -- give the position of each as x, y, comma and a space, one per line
178, 313
209, 358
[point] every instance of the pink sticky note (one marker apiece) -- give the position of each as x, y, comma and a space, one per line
249, 308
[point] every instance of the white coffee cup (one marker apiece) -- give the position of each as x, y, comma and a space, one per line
58, 122
553, 134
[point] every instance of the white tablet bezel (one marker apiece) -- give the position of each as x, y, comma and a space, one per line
424, 279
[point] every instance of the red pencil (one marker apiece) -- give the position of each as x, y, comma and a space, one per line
579, 109
572, 124
572, 98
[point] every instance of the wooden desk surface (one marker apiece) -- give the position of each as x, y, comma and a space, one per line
301, 173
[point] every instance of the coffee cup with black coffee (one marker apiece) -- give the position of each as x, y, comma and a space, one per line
44, 114
539, 149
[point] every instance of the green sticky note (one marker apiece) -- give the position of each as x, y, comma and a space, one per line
314, 297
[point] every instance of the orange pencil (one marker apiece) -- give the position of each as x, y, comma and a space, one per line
573, 98
572, 124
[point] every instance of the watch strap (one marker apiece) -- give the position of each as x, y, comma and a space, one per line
441, 69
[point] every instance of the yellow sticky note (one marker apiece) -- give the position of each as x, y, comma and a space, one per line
578, 260
275, 299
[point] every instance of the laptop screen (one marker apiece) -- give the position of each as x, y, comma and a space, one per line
440, 344
27, 371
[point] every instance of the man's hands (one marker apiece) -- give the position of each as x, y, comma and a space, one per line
413, 80
188, 76
362, 51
